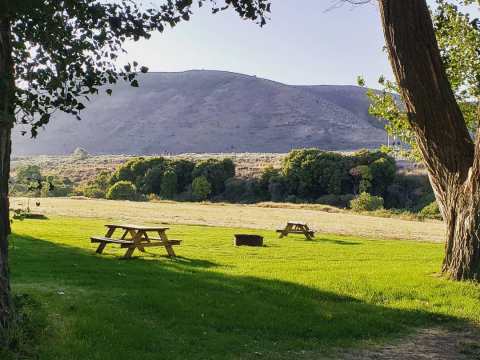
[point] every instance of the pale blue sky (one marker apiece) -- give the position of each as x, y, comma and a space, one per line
301, 44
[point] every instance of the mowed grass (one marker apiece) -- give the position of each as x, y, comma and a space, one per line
291, 299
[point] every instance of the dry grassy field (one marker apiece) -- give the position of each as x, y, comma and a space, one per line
260, 216
81, 170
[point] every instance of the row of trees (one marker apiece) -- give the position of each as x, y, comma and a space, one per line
308, 175
166, 178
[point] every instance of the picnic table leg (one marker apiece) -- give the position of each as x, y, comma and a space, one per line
102, 245
285, 231
306, 231
129, 252
100, 248
168, 247
136, 237
133, 233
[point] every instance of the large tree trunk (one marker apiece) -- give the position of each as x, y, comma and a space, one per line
451, 158
6, 123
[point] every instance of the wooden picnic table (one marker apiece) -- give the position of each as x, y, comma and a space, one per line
135, 237
296, 227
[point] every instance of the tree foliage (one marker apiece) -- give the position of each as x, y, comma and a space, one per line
216, 172
458, 37
201, 188
122, 190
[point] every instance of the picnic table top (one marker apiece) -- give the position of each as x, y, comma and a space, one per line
294, 222
137, 227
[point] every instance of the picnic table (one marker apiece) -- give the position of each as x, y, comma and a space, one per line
135, 237
296, 227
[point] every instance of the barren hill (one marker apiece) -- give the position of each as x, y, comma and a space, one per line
211, 111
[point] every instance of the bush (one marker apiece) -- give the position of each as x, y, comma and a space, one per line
383, 172
342, 201
431, 211
278, 188
122, 190
93, 191
366, 202
136, 169
235, 189
312, 173
98, 187
183, 169
216, 172
56, 186
263, 183
292, 199
411, 192
362, 178
168, 188
201, 188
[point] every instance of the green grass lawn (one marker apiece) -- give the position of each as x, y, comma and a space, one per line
217, 301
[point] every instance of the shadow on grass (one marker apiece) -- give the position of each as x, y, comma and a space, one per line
182, 309
326, 240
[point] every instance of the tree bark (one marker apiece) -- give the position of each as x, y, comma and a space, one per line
451, 158
6, 124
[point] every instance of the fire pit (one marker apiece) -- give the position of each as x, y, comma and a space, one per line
248, 240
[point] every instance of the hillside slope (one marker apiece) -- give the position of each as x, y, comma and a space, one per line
211, 111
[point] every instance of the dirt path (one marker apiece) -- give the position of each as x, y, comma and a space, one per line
426, 344
234, 215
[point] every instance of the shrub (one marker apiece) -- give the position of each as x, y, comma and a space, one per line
56, 186
93, 191
366, 202
383, 172
431, 211
336, 200
235, 189
201, 188
411, 192
135, 170
216, 172
362, 178
278, 188
27, 173
98, 187
292, 199
312, 172
183, 169
169, 184
151, 183
122, 190
268, 173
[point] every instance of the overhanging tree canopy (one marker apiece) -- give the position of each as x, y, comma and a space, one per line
55, 53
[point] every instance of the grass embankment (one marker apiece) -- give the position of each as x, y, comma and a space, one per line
290, 299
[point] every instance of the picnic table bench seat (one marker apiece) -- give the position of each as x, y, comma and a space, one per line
170, 241
100, 239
